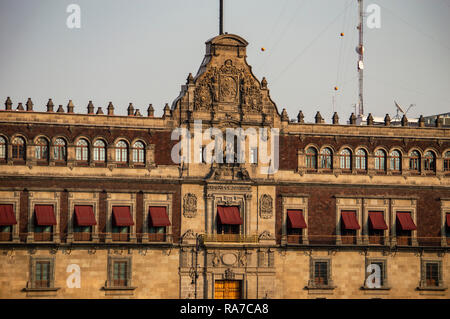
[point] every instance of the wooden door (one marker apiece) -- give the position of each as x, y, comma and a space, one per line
227, 289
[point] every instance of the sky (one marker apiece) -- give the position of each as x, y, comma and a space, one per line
142, 51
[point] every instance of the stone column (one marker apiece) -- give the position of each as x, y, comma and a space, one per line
248, 203
209, 213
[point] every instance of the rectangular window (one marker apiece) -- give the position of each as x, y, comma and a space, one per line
82, 233
5, 233
120, 274
42, 275
120, 233
432, 274
321, 273
404, 227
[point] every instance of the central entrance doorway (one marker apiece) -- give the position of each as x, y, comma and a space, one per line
227, 289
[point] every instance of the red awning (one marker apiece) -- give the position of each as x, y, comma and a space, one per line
448, 220
405, 220
85, 215
349, 219
45, 216
229, 215
122, 216
7, 217
296, 219
377, 220
158, 216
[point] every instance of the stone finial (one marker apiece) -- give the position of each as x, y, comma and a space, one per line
335, 118
99, 111
50, 105
60, 109
421, 121
8, 104
20, 107
137, 113
352, 119
90, 107
29, 104
439, 121
190, 79
370, 119
150, 111
264, 83
318, 118
300, 117
404, 120
284, 116
166, 110
387, 120
110, 108
70, 107
130, 109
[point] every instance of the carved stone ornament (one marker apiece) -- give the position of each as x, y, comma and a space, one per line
266, 205
189, 205
189, 234
265, 235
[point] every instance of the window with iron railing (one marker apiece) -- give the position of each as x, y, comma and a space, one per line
5, 233
43, 233
120, 233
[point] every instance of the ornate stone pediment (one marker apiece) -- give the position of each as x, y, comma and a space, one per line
229, 172
224, 85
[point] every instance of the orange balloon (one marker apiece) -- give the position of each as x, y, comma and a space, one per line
263, 49
336, 88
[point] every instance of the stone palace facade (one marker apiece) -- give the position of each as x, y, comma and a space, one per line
93, 206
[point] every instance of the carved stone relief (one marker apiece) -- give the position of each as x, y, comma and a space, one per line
266, 206
189, 205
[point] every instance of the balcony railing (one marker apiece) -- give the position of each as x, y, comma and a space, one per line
294, 239
78, 236
5, 236
229, 238
120, 237
44, 236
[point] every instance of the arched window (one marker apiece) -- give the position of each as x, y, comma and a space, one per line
82, 150
138, 152
447, 161
380, 160
395, 161
2, 148
346, 159
121, 152
18, 148
429, 161
59, 150
326, 158
41, 149
361, 159
414, 161
99, 151
311, 158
